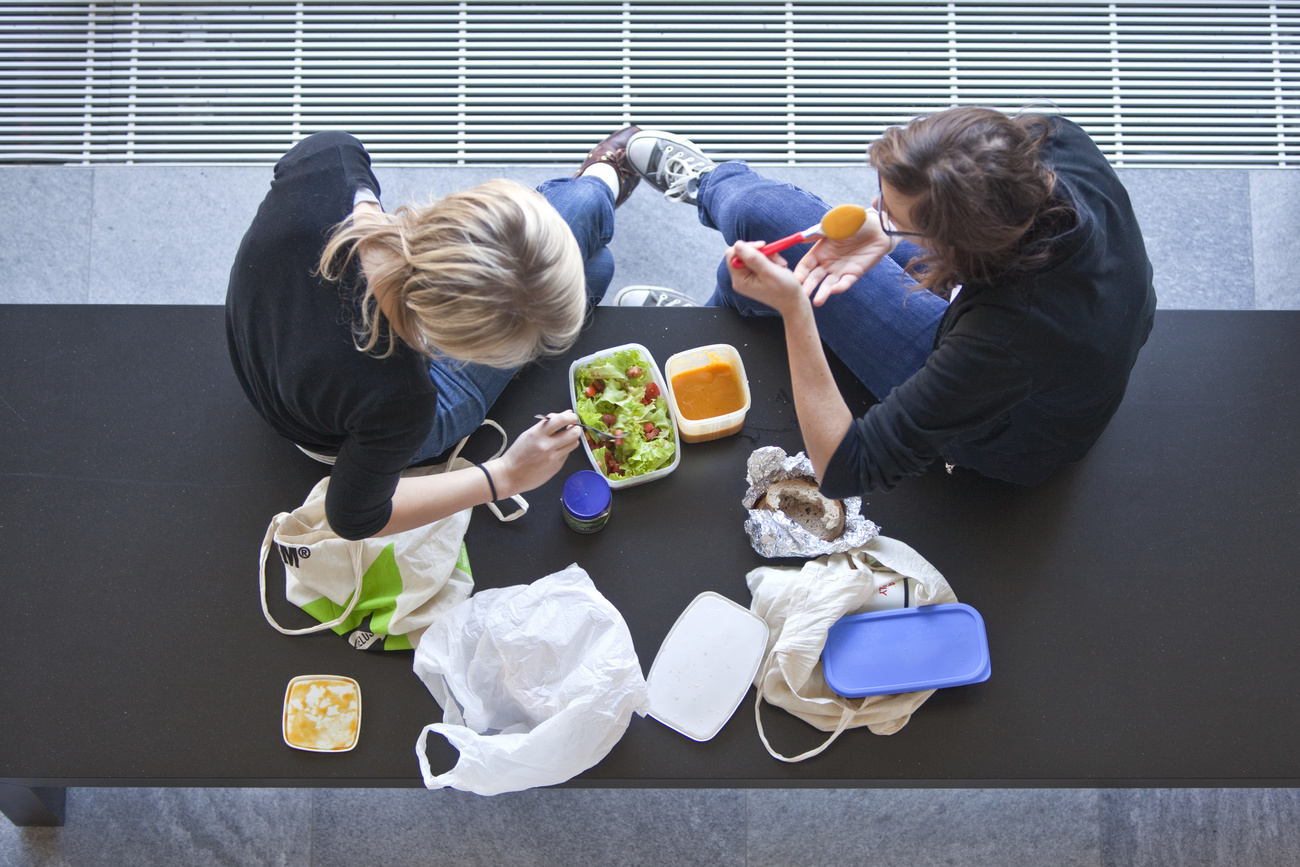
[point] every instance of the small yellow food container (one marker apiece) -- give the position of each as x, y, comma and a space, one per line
714, 370
322, 713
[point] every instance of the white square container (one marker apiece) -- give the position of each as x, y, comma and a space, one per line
657, 377
717, 427
293, 712
706, 665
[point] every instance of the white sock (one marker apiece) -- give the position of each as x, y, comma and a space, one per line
606, 173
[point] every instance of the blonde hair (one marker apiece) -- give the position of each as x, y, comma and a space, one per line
490, 275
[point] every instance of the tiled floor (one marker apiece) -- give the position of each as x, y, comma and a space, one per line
1220, 239
667, 827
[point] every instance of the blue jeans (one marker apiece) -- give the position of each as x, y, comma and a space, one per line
882, 327
467, 391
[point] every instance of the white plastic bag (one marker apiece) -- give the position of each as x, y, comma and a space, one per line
537, 683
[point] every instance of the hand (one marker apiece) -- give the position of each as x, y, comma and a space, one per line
766, 279
537, 455
831, 267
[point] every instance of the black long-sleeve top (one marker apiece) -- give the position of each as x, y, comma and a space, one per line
1024, 374
291, 338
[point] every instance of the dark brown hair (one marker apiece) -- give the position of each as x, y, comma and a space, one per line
984, 200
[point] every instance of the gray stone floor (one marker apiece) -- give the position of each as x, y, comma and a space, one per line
666, 827
1219, 239
1225, 239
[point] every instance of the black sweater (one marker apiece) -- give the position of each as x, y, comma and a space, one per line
290, 334
1024, 375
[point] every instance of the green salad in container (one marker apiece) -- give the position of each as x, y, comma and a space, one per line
617, 393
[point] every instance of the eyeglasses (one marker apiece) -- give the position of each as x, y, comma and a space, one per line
887, 225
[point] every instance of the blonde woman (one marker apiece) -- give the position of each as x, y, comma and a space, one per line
376, 341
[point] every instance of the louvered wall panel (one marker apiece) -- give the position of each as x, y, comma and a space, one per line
472, 82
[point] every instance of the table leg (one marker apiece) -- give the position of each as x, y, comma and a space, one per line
32, 807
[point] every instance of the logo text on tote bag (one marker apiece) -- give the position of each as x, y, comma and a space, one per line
291, 556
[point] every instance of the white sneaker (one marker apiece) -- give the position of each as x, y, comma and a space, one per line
652, 296
671, 164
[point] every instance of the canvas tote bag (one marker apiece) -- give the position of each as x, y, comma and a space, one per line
801, 604
385, 589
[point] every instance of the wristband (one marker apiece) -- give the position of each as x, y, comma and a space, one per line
491, 485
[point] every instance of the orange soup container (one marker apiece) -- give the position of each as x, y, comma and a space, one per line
708, 392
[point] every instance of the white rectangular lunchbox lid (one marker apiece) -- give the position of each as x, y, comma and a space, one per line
706, 665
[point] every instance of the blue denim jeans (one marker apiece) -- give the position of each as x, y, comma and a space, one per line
467, 391
882, 327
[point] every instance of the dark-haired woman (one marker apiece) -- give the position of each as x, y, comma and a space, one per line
995, 300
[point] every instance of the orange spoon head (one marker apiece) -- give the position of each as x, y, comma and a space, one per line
843, 221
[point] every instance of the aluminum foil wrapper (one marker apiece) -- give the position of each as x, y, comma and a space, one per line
773, 534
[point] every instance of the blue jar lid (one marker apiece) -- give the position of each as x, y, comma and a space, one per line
586, 494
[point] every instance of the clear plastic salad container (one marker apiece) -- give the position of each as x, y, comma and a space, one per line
648, 447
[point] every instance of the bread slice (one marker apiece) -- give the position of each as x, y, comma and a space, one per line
801, 502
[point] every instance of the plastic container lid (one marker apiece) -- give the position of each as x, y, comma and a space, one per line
586, 494
906, 650
706, 665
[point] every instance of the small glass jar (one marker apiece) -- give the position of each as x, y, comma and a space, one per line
586, 500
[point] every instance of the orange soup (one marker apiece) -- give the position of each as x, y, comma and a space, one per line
709, 391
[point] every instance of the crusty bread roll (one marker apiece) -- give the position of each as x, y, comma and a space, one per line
801, 502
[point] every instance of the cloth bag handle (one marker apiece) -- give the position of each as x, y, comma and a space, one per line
354, 549
519, 500
846, 717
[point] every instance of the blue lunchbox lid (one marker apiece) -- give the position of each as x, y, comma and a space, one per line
906, 650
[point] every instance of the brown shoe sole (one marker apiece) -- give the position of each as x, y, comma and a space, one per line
613, 150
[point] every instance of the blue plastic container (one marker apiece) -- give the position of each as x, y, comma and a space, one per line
906, 650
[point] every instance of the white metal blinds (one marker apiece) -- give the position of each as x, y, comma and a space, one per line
1155, 83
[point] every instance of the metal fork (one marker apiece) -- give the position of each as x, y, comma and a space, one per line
604, 435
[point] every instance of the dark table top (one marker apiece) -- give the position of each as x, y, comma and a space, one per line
1140, 606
